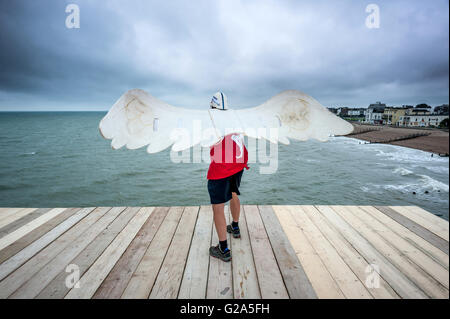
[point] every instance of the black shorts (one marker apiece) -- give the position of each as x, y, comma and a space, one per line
220, 189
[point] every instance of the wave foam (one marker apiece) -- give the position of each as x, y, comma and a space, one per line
425, 183
403, 171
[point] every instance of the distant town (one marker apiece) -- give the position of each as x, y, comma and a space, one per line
421, 115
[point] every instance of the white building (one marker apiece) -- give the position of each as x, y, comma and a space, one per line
356, 112
422, 120
374, 113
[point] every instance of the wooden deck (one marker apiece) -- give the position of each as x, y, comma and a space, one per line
284, 252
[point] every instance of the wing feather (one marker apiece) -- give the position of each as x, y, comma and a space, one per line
138, 119
296, 115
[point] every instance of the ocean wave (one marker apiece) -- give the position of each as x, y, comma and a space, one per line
435, 185
410, 156
403, 171
425, 183
437, 169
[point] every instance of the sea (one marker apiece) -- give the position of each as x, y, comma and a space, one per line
59, 159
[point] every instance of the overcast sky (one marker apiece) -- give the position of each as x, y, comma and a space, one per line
184, 51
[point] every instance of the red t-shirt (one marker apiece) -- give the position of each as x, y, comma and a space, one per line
228, 157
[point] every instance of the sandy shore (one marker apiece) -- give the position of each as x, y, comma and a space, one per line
436, 142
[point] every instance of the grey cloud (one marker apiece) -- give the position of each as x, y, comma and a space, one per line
183, 52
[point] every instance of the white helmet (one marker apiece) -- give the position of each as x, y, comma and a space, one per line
219, 101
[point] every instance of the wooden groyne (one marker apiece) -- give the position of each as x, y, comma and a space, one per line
400, 138
301, 251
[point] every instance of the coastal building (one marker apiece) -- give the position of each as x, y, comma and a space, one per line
356, 112
421, 120
391, 115
374, 113
420, 109
441, 109
349, 112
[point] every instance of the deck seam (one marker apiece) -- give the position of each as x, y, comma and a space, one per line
106, 247
337, 252
251, 249
142, 254
230, 217
315, 251
273, 251
62, 252
165, 254
370, 244
399, 251
405, 229
417, 229
412, 280
187, 256
343, 238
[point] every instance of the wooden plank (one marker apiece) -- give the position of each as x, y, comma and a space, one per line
296, 281
25, 229
57, 288
419, 217
46, 274
348, 282
405, 248
269, 276
432, 217
322, 281
144, 277
419, 230
194, 282
420, 243
33, 265
402, 285
220, 280
28, 252
92, 279
427, 283
117, 280
5, 230
245, 280
29, 238
168, 282
349, 254
12, 217
8, 212
439, 222
4, 209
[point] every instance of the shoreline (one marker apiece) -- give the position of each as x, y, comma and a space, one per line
431, 140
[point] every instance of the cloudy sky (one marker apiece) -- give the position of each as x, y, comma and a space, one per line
184, 51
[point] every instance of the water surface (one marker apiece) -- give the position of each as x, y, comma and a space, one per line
59, 159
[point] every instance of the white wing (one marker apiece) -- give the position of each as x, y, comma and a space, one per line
296, 115
138, 119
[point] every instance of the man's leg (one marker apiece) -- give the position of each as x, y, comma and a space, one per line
220, 251
220, 221
235, 206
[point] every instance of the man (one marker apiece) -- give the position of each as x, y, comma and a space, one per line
228, 159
